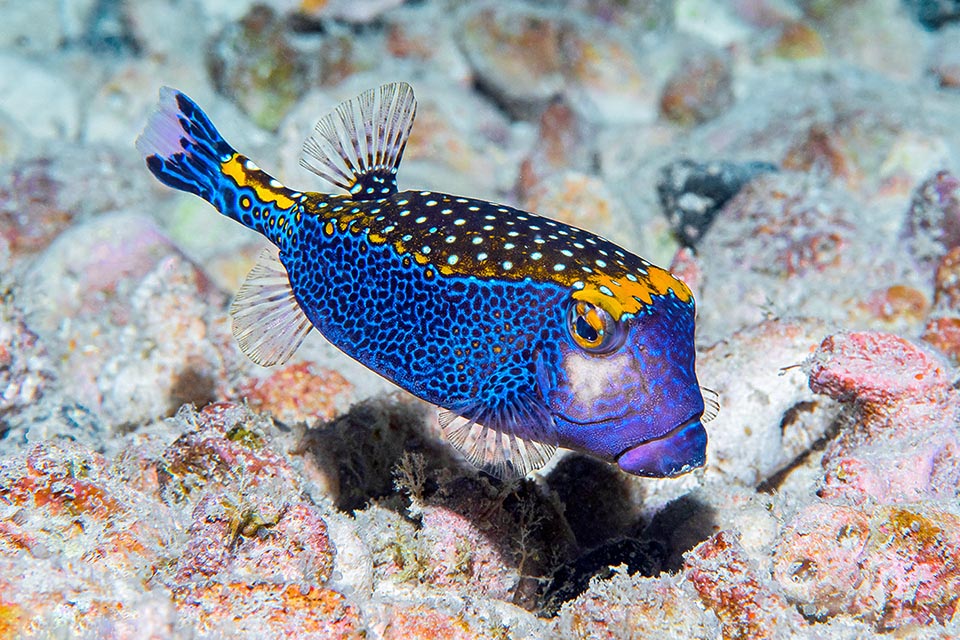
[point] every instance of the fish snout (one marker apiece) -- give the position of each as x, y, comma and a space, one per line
675, 453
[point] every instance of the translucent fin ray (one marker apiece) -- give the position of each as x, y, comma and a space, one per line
509, 443
358, 147
268, 323
181, 146
711, 404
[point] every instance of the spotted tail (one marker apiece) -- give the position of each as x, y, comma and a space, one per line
185, 151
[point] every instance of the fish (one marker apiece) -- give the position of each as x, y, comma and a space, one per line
528, 334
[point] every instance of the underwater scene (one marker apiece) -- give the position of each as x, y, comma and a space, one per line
401, 319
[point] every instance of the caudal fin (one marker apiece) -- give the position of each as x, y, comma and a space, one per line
181, 146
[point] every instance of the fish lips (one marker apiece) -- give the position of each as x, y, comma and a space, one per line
677, 452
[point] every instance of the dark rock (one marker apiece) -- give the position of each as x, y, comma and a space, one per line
109, 30
692, 193
933, 221
933, 14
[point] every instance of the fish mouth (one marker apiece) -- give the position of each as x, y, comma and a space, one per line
676, 452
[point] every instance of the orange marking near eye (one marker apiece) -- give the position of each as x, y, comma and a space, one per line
629, 296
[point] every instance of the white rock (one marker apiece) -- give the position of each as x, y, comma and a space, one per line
768, 415
42, 101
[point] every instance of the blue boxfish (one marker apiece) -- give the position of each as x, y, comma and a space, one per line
527, 333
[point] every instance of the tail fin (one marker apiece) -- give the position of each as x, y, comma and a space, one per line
181, 146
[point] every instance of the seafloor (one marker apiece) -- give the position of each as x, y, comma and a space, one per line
797, 162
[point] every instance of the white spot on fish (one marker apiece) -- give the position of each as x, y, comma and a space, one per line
592, 378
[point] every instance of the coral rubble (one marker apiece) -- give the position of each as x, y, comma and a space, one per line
795, 161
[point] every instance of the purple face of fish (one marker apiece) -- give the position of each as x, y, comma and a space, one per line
637, 402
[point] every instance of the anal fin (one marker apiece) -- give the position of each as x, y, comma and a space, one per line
268, 323
506, 444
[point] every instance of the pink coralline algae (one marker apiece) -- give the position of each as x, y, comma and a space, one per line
224, 447
75, 540
265, 610
402, 623
883, 544
25, 367
791, 240
877, 370
224, 530
892, 566
301, 392
626, 606
734, 589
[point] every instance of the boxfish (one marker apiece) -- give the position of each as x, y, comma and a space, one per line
528, 334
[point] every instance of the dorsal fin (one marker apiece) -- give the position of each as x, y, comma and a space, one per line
359, 145
268, 323
509, 443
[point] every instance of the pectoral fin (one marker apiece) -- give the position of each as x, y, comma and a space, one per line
268, 323
507, 442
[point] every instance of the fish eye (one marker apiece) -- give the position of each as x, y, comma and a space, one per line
593, 328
